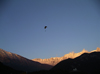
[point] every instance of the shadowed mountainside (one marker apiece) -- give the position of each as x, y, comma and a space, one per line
7, 70
87, 62
18, 62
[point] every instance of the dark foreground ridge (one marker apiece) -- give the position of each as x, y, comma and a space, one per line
64, 72
87, 62
8, 70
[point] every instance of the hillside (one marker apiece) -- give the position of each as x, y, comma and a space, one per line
18, 62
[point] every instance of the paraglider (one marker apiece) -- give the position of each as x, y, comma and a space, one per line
45, 28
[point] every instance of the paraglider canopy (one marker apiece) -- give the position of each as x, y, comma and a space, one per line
45, 27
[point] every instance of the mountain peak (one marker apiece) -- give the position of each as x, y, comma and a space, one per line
98, 49
84, 51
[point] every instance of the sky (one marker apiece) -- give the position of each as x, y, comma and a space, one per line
72, 25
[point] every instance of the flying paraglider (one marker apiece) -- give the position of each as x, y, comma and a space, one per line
45, 28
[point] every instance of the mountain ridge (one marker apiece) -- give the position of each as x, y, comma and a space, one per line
18, 62
54, 60
87, 62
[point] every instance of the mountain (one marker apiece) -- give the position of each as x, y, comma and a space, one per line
87, 62
18, 62
54, 60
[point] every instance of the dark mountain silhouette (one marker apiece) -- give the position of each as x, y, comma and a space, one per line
7, 70
18, 62
87, 62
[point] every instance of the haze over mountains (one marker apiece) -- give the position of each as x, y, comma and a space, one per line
54, 60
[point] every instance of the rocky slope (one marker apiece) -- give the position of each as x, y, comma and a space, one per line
53, 61
18, 62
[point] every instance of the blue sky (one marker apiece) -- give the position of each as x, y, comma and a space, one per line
72, 25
